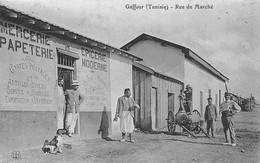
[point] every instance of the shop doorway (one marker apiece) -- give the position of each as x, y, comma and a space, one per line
67, 69
67, 75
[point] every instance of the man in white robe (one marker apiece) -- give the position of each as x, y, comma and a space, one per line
125, 111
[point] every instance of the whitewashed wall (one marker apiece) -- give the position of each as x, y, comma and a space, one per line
166, 59
200, 80
120, 79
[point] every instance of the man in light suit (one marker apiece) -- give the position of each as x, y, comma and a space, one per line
73, 100
228, 109
125, 111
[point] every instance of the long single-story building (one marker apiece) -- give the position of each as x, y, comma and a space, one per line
34, 53
182, 64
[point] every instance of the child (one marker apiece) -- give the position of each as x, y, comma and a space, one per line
54, 146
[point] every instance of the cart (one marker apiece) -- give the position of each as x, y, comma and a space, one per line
189, 122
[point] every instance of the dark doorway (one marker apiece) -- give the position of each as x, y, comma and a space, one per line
66, 74
67, 69
154, 109
170, 102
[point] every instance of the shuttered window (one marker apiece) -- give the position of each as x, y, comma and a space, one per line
66, 60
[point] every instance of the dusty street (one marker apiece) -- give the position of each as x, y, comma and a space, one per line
162, 147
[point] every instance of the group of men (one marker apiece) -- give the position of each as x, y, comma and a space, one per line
70, 100
126, 106
227, 109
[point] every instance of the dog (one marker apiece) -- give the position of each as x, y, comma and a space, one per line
54, 146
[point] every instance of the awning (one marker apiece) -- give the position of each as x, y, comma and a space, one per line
72, 54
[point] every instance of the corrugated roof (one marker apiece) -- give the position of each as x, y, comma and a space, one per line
155, 72
29, 21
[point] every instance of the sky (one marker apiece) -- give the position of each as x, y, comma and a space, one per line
227, 35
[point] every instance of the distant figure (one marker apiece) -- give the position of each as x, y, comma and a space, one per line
181, 98
73, 100
229, 108
211, 117
54, 146
125, 111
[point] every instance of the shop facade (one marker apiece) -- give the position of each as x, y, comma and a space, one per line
34, 53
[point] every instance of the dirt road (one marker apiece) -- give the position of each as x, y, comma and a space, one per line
162, 147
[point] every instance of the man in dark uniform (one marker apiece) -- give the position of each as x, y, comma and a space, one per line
211, 117
229, 108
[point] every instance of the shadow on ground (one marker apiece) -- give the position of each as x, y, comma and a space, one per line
186, 141
109, 139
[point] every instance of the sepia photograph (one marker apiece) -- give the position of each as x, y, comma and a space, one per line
122, 81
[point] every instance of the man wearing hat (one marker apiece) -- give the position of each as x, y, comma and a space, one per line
211, 117
73, 100
229, 108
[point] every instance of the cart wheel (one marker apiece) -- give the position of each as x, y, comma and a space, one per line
196, 112
170, 122
197, 129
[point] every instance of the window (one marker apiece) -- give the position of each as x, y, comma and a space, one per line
201, 102
67, 61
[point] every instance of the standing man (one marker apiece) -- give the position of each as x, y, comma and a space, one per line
229, 108
211, 117
188, 98
125, 111
61, 102
73, 100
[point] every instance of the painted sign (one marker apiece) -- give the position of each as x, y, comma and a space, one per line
30, 88
94, 60
24, 41
95, 80
27, 82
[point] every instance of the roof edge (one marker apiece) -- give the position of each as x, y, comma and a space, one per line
185, 50
144, 36
156, 72
206, 65
79, 37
